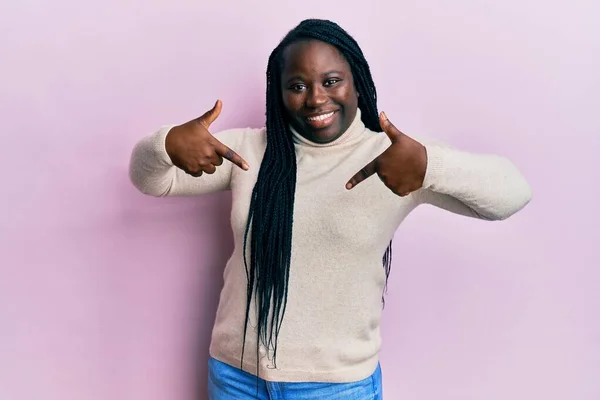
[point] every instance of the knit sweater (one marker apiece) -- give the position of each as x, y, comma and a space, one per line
331, 328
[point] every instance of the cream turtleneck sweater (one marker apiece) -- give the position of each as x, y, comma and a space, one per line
331, 328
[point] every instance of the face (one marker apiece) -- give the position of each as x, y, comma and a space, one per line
318, 90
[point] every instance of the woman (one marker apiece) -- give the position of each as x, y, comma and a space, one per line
299, 314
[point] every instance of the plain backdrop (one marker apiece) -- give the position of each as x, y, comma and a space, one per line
109, 294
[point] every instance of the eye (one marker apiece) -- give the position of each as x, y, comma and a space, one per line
298, 87
332, 81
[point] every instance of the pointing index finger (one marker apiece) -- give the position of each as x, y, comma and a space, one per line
363, 174
231, 155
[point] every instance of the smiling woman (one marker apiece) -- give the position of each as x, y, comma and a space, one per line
300, 308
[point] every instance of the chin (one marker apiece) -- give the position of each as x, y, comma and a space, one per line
322, 136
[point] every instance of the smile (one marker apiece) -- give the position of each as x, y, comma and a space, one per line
321, 117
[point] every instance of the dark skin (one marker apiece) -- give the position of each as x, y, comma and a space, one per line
316, 82
195, 150
401, 167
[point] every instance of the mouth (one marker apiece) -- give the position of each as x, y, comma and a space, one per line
321, 120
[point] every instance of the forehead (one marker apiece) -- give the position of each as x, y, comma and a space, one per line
312, 56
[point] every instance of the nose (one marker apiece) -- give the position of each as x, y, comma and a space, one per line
317, 96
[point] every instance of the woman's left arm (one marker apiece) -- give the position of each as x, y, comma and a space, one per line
485, 186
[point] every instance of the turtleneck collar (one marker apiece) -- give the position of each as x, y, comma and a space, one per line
354, 133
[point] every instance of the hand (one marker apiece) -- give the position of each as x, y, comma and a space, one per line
192, 148
401, 167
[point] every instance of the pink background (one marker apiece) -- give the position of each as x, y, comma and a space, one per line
107, 294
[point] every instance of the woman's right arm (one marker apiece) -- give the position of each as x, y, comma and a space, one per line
185, 160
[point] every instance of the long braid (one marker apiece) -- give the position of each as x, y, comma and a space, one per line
270, 217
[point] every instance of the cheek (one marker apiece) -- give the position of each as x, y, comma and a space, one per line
347, 95
292, 102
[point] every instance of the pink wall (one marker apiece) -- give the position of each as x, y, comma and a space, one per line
107, 294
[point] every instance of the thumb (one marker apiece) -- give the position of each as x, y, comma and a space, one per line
211, 115
393, 133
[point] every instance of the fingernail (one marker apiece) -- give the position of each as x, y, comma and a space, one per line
348, 185
246, 166
383, 115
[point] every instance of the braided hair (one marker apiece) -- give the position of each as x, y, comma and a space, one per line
270, 219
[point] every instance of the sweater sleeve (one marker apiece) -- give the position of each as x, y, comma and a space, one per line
152, 172
484, 186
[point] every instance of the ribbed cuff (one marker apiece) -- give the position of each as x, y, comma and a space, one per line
158, 144
435, 166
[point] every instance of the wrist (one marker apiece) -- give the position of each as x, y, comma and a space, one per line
170, 141
422, 164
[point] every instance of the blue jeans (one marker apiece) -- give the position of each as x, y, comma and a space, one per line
229, 383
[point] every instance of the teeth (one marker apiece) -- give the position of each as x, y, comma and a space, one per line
321, 117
